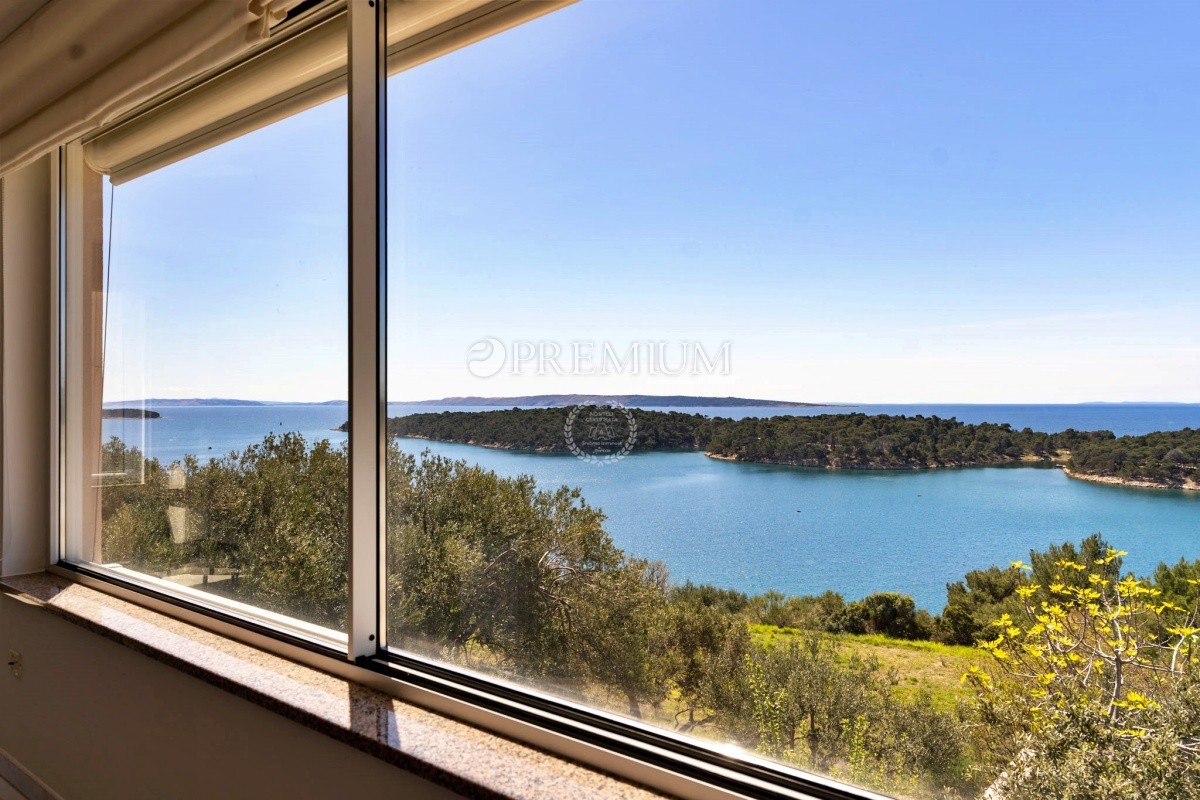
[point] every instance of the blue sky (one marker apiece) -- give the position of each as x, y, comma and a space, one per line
872, 202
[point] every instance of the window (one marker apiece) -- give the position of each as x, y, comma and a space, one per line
205, 281
224, 357
738, 359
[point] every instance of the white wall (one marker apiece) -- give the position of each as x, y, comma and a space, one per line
26, 379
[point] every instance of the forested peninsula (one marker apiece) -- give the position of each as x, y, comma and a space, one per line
128, 413
843, 441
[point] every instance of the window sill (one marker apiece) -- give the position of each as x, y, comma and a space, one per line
452, 754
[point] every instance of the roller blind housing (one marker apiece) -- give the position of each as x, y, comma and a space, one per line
129, 129
302, 73
75, 65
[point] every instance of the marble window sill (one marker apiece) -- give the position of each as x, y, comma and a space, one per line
465, 759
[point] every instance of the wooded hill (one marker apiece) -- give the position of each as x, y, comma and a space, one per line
838, 441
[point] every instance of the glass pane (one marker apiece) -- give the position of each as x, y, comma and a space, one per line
224, 353
738, 350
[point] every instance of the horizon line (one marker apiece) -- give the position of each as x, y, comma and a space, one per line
800, 403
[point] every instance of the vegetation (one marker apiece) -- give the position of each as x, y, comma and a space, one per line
1102, 698
1063, 677
841, 441
917, 665
129, 413
1159, 459
859, 441
541, 429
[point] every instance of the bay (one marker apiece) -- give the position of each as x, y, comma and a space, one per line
756, 527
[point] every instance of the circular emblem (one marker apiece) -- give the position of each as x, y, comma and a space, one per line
485, 358
600, 434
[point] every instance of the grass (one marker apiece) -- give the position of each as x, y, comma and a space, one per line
918, 665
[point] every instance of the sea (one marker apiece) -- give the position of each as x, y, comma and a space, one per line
756, 527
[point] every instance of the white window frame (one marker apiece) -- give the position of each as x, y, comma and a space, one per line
654, 757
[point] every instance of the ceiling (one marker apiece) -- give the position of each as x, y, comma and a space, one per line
15, 12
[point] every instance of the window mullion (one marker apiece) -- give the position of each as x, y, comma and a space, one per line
368, 409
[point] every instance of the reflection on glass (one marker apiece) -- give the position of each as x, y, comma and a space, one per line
224, 371
918, 241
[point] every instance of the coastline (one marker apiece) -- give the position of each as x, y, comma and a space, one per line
1113, 480
1025, 460
129, 413
486, 445
859, 443
1110, 480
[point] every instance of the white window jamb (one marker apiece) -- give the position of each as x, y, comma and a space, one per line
367, 120
80, 307
58, 429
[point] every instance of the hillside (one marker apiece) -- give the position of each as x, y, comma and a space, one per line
830, 441
1168, 460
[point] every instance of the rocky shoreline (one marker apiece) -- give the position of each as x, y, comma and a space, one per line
1113, 480
874, 465
488, 445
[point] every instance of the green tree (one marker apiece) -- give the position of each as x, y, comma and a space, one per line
277, 512
702, 651
972, 603
888, 613
497, 573
1096, 703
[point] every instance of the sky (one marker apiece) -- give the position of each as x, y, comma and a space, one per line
862, 202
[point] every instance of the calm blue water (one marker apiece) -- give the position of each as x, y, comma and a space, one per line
214, 431
757, 527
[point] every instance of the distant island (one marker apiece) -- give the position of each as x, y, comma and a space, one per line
635, 400
196, 402
855, 441
129, 413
